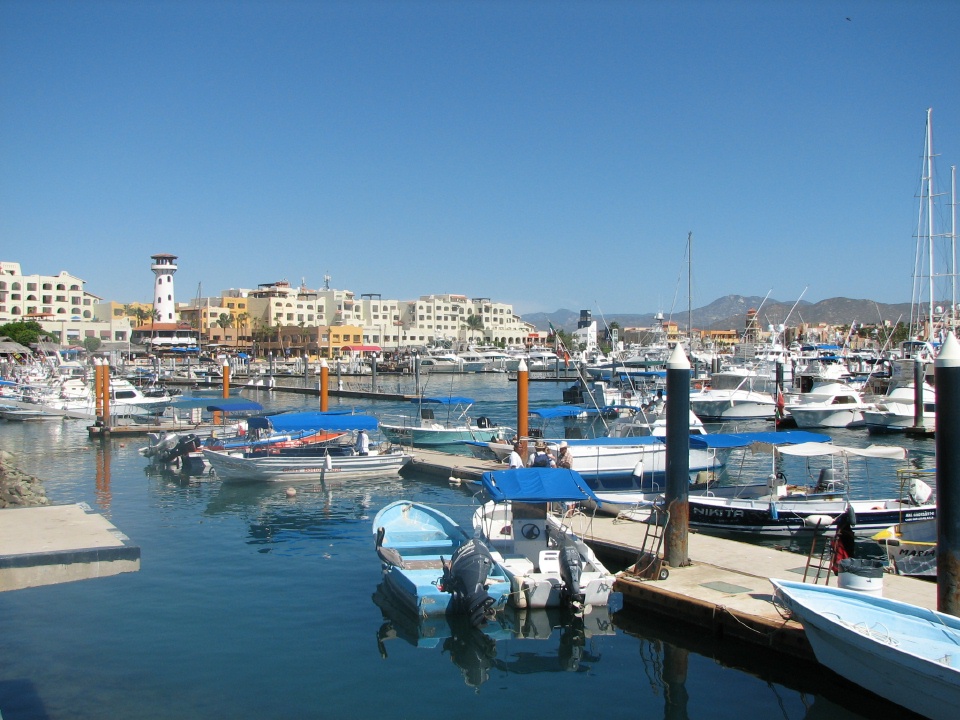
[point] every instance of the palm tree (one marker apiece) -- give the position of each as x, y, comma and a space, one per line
224, 321
240, 320
474, 324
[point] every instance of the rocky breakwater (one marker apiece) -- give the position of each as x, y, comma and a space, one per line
17, 489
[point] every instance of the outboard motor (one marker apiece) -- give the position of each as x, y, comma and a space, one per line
570, 568
186, 445
465, 577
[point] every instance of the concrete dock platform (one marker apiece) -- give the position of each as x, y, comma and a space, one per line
60, 543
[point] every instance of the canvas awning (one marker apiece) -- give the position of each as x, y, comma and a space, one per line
723, 441
537, 485
318, 421
218, 404
819, 449
360, 348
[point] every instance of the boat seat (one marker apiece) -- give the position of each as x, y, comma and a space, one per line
549, 561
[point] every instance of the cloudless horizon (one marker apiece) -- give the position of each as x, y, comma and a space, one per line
545, 154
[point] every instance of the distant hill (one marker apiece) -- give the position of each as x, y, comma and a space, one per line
730, 313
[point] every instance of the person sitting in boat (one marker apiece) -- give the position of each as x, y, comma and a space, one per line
515, 461
542, 456
362, 446
564, 458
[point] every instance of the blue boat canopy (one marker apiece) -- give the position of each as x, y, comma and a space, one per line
560, 411
537, 485
735, 440
445, 400
218, 404
316, 421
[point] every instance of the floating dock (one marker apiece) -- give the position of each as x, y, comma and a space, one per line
726, 587
60, 543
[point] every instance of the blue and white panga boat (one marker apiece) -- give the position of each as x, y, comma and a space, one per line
548, 565
906, 654
433, 566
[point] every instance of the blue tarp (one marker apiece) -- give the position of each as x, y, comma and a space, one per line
735, 440
221, 404
537, 485
445, 400
302, 421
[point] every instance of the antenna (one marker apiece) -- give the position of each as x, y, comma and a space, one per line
326, 282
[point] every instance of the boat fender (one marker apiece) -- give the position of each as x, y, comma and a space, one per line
851, 516
774, 515
817, 521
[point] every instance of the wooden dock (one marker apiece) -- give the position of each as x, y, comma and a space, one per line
726, 587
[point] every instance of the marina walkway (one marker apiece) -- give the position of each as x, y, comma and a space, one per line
60, 543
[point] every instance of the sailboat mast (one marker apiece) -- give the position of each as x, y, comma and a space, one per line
930, 254
953, 248
690, 291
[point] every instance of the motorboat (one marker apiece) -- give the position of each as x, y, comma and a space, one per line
312, 462
901, 652
428, 430
547, 564
828, 404
789, 510
432, 566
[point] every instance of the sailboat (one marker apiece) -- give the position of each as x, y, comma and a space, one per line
898, 410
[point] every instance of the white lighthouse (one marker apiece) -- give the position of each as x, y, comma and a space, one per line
164, 307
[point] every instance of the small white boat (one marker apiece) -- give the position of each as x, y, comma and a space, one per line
828, 404
324, 462
906, 654
430, 431
738, 404
548, 565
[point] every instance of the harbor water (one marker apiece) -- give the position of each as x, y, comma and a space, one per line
250, 603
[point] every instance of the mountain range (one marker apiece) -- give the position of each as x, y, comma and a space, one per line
730, 313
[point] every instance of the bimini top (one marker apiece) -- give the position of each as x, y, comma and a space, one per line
890, 452
302, 421
537, 485
233, 404
735, 440
560, 411
445, 400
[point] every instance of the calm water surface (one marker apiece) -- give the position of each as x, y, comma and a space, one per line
252, 604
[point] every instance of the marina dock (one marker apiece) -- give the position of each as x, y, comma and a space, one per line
725, 589
60, 543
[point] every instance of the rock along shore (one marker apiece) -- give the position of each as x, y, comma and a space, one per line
17, 489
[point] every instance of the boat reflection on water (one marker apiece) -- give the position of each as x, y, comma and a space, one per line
550, 640
670, 652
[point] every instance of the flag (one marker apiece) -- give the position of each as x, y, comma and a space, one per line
566, 359
781, 406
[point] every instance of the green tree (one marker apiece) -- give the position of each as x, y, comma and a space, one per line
91, 344
23, 332
474, 324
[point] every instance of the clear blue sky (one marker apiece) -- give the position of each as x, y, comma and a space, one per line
547, 154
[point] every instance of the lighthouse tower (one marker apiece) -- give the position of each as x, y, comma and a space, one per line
164, 307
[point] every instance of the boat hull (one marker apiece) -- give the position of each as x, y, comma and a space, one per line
903, 653
788, 517
279, 468
424, 538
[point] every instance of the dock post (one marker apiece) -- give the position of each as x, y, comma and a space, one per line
373, 373
918, 373
947, 377
97, 395
678, 459
324, 385
105, 389
523, 406
416, 374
